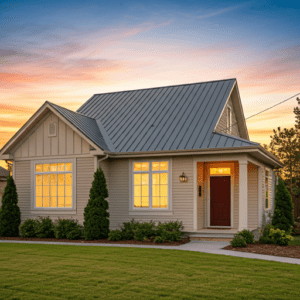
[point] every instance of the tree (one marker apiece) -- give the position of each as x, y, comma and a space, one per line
285, 144
10, 215
283, 214
96, 217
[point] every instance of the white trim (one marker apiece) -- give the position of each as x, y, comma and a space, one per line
14, 170
195, 186
48, 157
54, 210
140, 211
259, 169
243, 194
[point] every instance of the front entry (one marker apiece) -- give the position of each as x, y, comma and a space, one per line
220, 201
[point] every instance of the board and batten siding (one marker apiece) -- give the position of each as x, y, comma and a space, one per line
222, 124
84, 178
252, 196
39, 144
119, 197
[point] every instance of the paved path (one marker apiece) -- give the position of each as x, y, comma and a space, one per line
197, 246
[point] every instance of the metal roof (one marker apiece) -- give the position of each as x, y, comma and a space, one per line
3, 172
165, 118
88, 126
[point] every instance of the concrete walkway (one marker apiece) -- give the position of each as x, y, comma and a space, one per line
197, 246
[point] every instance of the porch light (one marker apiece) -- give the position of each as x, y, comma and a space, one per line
183, 178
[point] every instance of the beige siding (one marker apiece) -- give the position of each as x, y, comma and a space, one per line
84, 179
38, 144
182, 194
252, 196
222, 125
23, 184
2, 187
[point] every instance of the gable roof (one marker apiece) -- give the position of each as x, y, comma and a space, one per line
165, 118
88, 126
3, 172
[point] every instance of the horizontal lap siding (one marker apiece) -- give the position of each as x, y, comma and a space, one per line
85, 177
252, 196
182, 194
23, 183
118, 192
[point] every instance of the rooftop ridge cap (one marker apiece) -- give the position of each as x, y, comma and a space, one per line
75, 112
166, 86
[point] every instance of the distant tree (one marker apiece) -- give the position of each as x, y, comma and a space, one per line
285, 144
10, 215
96, 216
283, 214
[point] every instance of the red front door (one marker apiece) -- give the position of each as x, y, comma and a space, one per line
220, 201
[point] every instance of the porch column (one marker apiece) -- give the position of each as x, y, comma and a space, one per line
243, 194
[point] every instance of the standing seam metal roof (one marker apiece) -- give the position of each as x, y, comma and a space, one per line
165, 118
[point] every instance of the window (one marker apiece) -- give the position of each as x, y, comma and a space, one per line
267, 188
53, 184
150, 184
219, 171
228, 120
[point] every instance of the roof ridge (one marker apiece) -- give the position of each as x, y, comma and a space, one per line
166, 86
75, 112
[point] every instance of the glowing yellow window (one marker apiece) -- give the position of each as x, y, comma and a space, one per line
150, 184
219, 171
53, 185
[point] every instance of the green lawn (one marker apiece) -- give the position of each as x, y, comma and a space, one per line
296, 241
75, 272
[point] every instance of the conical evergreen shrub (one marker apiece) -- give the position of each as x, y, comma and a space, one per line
10, 215
283, 214
96, 217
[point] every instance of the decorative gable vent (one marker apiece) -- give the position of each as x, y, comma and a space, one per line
52, 129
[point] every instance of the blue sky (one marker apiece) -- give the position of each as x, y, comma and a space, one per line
66, 51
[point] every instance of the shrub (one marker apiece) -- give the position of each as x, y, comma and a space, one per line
171, 236
159, 239
28, 228
238, 241
280, 237
68, 229
96, 222
44, 228
247, 235
128, 229
296, 229
10, 215
115, 235
139, 235
283, 217
266, 240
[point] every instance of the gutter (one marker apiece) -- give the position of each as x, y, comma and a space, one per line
236, 150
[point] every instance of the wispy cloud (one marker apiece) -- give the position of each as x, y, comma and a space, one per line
222, 11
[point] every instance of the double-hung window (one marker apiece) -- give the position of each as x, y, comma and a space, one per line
151, 185
53, 185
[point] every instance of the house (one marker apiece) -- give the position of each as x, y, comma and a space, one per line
3, 179
168, 153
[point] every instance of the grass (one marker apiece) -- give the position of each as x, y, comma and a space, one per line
296, 240
88, 272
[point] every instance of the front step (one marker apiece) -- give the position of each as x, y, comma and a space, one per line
225, 237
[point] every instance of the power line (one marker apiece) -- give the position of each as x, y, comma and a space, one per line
260, 112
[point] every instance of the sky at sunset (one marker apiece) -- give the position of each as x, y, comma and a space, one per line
66, 51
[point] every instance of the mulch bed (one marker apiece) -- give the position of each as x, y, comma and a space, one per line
106, 241
284, 251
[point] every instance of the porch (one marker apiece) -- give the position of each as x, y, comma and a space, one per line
228, 197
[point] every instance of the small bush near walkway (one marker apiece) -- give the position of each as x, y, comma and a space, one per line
28, 228
10, 215
270, 235
168, 231
68, 229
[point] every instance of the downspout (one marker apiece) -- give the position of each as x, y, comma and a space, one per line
101, 159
